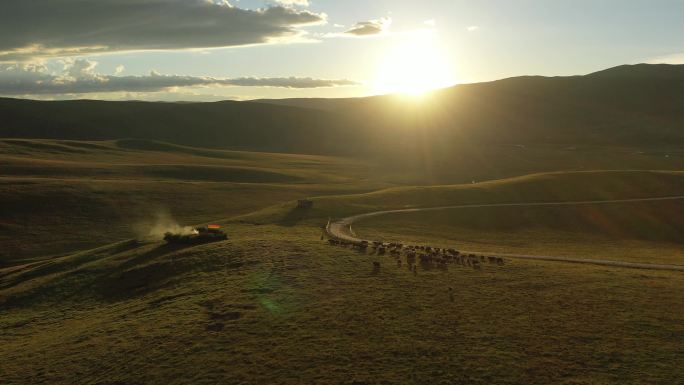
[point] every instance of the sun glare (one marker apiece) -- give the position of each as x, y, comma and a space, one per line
414, 66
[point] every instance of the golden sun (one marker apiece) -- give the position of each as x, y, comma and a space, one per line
414, 66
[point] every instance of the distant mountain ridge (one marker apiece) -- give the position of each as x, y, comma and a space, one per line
671, 72
667, 71
227, 124
626, 105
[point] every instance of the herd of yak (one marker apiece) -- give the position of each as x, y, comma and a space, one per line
426, 256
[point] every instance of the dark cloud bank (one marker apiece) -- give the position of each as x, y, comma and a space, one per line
71, 27
33, 30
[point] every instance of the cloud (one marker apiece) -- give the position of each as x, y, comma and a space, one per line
41, 28
290, 3
370, 28
119, 70
79, 77
79, 69
288, 82
473, 28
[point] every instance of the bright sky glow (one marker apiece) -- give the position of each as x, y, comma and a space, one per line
248, 49
415, 65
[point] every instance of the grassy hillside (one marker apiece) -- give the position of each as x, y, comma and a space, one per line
234, 125
105, 189
630, 105
62, 196
447, 163
276, 305
626, 106
548, 187
646, 232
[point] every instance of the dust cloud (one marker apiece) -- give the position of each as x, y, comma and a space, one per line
162, 223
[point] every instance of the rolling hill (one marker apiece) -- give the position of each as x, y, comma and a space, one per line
630, 105
81, 300
59, 196
640, 105
276, 305
546, 187
228, 124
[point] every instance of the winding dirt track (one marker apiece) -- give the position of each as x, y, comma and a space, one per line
341, 229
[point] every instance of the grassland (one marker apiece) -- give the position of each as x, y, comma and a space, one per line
276, 305
646, 232
624, 106
82, 303
60, 196
63, 196
545, 187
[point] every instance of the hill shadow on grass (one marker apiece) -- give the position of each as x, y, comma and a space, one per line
139, 274
161, 250
136, 273
63, 265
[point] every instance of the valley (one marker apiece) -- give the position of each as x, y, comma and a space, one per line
543, 173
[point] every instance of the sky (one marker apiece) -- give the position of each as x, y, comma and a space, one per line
206, 50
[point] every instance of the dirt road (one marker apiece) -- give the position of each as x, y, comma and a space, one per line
341, 229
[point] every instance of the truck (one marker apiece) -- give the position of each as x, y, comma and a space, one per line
205, 234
